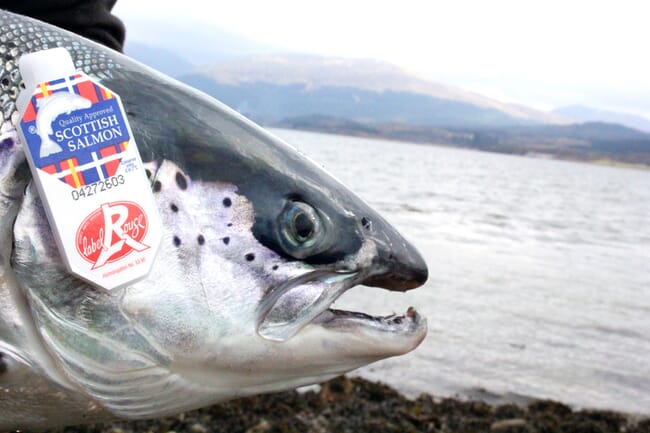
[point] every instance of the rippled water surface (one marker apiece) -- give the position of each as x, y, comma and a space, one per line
539, 270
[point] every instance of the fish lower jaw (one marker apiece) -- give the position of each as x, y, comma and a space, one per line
410, 327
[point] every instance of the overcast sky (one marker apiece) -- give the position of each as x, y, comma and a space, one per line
542, 53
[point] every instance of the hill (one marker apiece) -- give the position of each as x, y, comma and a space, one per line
271, 103
161, 59
375, 99
367, 90
580, 113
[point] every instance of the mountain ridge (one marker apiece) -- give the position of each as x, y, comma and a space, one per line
269, 103
367, 74
581, 113
375, 99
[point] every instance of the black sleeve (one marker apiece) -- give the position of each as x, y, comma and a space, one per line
89, 18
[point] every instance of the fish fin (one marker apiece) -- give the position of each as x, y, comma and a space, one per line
97, 348
128, 383
144, 391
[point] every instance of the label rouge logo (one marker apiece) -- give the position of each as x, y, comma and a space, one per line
112, 232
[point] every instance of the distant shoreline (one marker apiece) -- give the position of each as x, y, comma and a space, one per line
465, 140
605, 162
613, 163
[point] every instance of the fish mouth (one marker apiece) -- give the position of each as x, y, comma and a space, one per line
307, 299
385, 260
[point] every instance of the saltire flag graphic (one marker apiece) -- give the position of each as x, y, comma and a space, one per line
89, 167
78, 83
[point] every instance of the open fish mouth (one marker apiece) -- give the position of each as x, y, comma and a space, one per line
385, 260
307, 300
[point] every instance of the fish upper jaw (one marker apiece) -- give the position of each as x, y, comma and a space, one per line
396, 264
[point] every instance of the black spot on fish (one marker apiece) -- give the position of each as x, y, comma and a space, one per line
174, 208
250, 257
366, 223
157, 186
200, 240
181, 181
3, 364
229, 224
226, 240
227, 202
275, 267
177, 241
7, 143
5, 82
148, 172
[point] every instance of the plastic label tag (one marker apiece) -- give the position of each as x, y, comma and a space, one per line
91, 180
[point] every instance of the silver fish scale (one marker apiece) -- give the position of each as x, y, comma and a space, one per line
19, 36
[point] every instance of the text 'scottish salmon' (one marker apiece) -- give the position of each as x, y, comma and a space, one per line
258, 242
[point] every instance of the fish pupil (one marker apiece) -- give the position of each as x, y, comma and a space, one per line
303, 226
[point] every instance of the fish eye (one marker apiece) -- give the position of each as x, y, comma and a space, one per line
301, 229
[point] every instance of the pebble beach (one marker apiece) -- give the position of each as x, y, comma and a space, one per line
355, 405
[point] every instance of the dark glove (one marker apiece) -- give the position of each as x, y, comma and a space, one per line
89, 18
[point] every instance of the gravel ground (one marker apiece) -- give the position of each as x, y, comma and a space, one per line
355, 405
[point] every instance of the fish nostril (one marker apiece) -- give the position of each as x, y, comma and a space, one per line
366, 223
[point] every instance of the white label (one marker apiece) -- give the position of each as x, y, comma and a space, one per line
91, 180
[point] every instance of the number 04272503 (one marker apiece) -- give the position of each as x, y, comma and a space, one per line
97, 187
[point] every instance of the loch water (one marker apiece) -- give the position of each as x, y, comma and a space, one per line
539, 270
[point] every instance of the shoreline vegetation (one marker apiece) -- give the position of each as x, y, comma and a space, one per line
355, 405
595, 143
